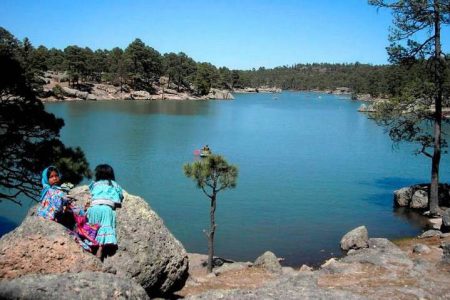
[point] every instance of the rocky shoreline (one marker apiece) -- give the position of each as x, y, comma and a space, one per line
57, 88
40, 260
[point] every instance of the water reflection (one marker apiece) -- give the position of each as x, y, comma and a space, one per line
413, 217
167, 107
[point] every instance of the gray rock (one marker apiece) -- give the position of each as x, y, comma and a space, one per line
140, 95
419, 199
237, 266
430, 233
220, 94
75, 93
381, 252
288, 271
302, 285
446, 253
355, 239
269, 262
91, 97
147, 252
403, 196
446, 219
69, 92
305, 268
421, 249
85, 285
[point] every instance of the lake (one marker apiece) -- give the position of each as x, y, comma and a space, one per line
311, 168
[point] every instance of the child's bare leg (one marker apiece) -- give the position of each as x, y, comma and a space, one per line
99, 252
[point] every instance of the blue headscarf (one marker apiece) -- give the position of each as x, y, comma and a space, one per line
45, 184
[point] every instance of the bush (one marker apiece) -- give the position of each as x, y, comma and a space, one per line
58, 91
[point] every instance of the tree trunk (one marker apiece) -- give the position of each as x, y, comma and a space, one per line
438, 74
211, 233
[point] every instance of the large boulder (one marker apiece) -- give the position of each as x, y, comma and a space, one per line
381, 252
75, 93
355, 239
269, 262
446, 252
85, 285
147, 252
403, 196
419, 199
446, 220
40, 246
220, 94
140, 95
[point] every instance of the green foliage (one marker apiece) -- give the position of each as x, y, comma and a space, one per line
205, 78
212, 174
29, 136
179, 68
416, 114
145, 64
58, 91
140, 66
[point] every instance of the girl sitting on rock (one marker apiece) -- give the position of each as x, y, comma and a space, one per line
53, 198
106, 196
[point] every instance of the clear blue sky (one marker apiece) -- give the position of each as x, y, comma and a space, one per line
241, 34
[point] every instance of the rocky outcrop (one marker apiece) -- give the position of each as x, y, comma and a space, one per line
269, 262
421, 248
304, 285
75, 93
220, 95
446, 221
416, 196
262, 89
56, 88
366, 108
380, 252
140, 95
355, 239
381, 271
446, 253
148, 253
419, 200
430, 233
85, 285
403, 196
40, 246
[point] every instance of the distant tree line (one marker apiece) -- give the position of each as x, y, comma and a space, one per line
383, 80
140, 67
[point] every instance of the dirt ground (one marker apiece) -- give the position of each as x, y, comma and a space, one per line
200, 281
361, 281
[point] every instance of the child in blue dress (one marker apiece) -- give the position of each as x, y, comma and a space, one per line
107, 195
53, 198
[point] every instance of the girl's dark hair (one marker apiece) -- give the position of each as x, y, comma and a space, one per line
104, 172
50, 170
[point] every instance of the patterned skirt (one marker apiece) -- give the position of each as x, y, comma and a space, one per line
104, 216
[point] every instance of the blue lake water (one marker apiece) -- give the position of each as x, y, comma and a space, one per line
310, 169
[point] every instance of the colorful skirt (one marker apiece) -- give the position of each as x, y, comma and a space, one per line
104, 216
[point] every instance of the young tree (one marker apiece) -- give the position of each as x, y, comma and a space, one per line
212, 174
407, 116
